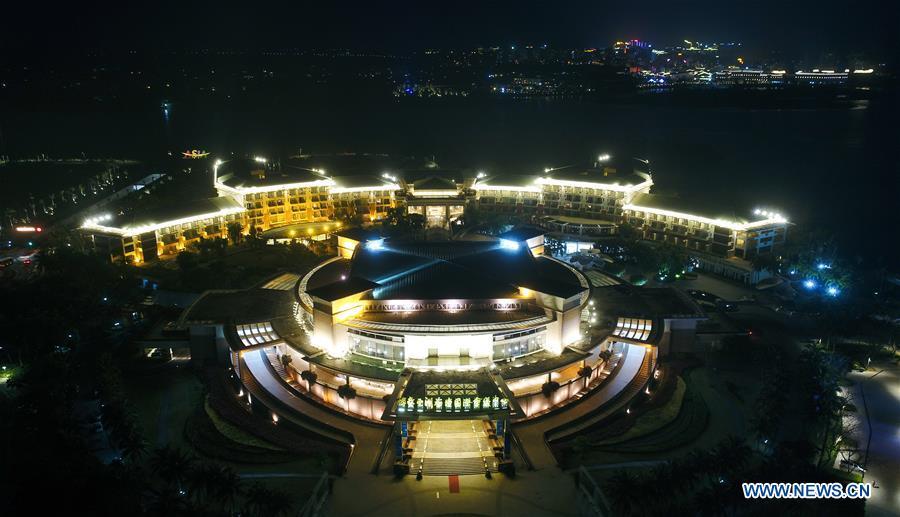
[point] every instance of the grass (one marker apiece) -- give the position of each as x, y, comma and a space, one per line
655, 419
207, 441
163, 398
236, 434
692, 419
239, 268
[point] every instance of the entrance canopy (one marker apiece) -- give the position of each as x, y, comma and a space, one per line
433, 395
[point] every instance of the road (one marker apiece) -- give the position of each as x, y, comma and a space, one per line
880, 413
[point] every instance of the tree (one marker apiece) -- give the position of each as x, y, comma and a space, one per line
624, 493
172, 465
549, 388
346, 391
253, 236
309, 376
235, 232
627, 232
585, 373
764, 262
228, 486
263, 501
203, 481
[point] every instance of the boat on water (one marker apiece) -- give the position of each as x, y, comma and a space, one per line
194, 154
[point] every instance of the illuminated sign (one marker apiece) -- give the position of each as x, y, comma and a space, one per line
497, 305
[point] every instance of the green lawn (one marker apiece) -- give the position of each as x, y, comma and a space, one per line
653, 420
163, 397
238, 268
709, 413
234, 433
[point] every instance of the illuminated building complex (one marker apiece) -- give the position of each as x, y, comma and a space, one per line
593, 199
411, 336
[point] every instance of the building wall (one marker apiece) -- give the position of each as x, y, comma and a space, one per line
319, 203
580, 201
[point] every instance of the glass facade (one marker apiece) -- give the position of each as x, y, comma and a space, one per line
377, 345
515, 344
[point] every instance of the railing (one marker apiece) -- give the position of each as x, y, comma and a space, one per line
591, 500
315, 505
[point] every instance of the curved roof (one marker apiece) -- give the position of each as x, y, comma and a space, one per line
454, 269
468, 270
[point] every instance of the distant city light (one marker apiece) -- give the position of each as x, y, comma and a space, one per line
259, 159
508, 244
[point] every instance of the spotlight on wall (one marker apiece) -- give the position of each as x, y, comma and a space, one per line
375, 244
508, 244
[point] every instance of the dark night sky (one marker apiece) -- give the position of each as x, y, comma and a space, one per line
804, 25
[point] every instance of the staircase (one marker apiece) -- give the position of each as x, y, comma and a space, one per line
457, 466
446, 448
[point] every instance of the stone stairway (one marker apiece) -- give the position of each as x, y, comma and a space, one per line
446, 448
457, 466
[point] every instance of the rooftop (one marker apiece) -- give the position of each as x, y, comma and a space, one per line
623, 173
342, 289
681, 205
149, 216
251, 305
434, 183
459, 269
522, 233
624, 300
359, 234
345, 170
508, 180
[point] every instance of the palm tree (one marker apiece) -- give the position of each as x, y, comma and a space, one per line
624, 494
263, 501
134, 446
228, 486
235, 232
172, 466
203, 482
732, 454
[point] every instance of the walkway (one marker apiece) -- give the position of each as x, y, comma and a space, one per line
877, 400
448, 447
284, 282
576, 417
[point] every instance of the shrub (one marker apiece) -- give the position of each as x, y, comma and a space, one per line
548, 388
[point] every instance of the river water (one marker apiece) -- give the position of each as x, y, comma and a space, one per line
833, 166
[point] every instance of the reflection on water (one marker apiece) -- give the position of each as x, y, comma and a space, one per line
828, 165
